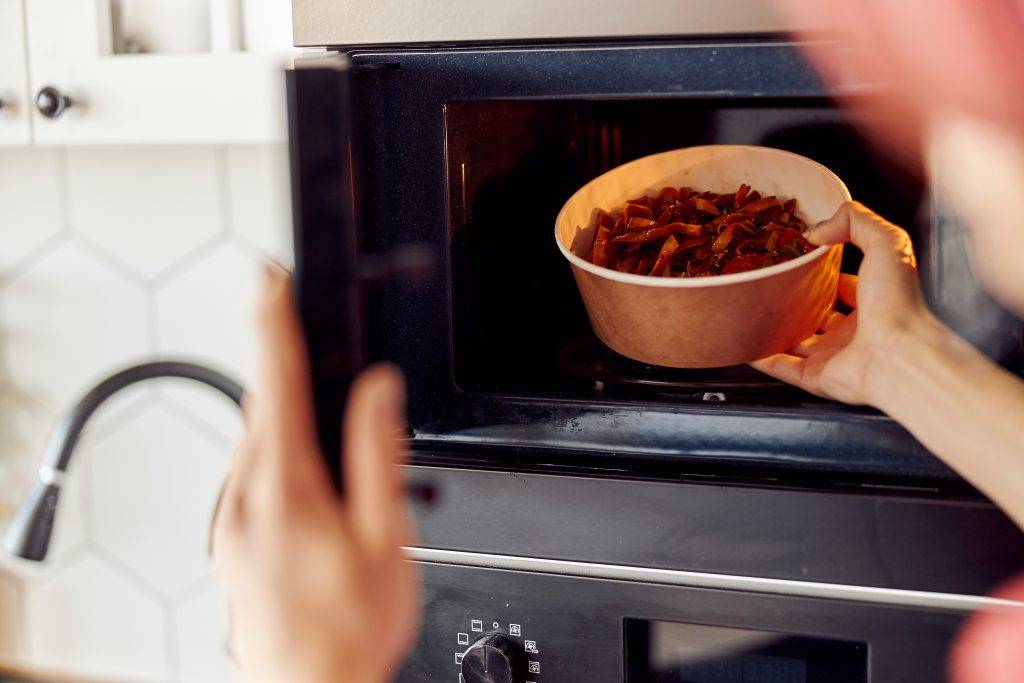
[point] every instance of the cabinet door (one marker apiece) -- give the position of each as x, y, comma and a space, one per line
221, 97
14, 102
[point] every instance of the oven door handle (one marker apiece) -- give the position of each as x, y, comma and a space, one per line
335, 277
327, 237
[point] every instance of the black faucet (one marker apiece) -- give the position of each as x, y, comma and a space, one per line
28, 535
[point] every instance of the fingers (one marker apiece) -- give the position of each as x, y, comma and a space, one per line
848, 289
786, 367
834, 319
229, 509
789, 369
282, 409
804, 348
373, 485
856, 223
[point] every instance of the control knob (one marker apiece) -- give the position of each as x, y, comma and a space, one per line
494, 658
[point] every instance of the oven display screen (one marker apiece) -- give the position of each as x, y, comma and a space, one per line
669, 652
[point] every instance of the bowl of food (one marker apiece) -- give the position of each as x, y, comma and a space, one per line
695, 258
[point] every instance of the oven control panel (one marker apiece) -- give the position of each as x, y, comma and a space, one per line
492, 650
484, 625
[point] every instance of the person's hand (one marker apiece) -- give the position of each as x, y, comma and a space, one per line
317, 586
846, 360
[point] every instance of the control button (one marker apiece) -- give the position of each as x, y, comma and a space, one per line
463, 638
515, 630
531, 646
476, 626
494, 658
534, 667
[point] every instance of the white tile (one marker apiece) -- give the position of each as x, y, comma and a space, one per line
207, 405
69, 322
154, 482
202, 630
147, 206
207, 312
30, 202
90, 619
10, 617
260, 198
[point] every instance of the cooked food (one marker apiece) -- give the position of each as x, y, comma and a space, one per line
685, 233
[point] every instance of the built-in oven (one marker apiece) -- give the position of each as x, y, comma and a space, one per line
589, 517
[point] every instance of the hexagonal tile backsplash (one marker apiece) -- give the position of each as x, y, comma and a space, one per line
109, 256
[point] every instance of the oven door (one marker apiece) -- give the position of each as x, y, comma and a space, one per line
470, 152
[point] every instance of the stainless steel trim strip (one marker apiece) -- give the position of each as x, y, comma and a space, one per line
673, 577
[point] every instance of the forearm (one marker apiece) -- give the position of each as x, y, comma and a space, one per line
963, 408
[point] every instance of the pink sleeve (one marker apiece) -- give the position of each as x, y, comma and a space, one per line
990, 647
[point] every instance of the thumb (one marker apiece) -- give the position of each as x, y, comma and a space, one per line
858, 224
374, 418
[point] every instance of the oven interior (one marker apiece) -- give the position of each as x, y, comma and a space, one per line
519, 325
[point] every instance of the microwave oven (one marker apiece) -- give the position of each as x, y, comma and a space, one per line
592, 518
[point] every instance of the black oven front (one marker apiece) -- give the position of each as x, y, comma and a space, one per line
595, 518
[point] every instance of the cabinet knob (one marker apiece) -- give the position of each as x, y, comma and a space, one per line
51, 102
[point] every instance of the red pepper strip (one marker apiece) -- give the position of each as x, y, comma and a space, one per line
656, 233
722, 241
620, 226
789, 205
669, 193
604, 219
788, 236
762, 205
750, 246
705, 205
773, 240
601, 251
724, 200
741, 195
727, 218
636, 211
643, 267
637, 223
689, 229
743, 263
691, 243
664, 256
627, 263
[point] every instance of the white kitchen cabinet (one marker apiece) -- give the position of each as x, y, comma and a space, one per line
226, 95
15, 126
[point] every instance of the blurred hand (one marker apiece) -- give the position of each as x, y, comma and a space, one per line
845, 360
317, 586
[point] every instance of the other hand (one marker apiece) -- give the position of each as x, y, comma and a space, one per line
317, 586
846, 360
